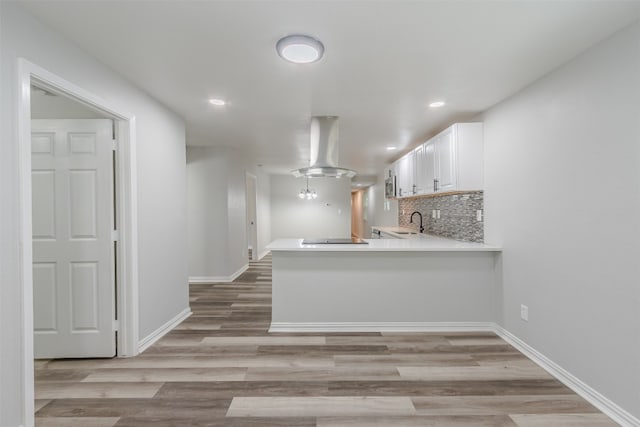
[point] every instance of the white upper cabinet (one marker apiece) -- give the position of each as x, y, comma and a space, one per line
445, 164
450, 161
425, 168
405, 175
469, 156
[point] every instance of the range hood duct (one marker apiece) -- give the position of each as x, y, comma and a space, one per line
324, 151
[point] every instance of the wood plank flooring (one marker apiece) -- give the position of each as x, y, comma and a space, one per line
221, 367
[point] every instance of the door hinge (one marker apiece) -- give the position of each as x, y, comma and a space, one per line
116, 325
114, 144
115, 236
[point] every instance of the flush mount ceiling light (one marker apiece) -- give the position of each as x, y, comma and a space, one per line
300, 49
391, 148
437, 104
217, 102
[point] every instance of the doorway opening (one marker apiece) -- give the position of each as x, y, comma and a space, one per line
123, 213
358, 210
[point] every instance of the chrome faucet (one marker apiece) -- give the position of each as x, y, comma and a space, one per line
411, 220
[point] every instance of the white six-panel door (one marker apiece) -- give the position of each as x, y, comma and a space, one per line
73, 250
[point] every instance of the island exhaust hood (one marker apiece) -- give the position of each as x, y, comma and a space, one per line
324, 151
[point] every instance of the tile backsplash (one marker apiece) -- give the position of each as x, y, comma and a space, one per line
458, 215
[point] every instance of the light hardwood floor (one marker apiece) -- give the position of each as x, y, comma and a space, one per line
220, 367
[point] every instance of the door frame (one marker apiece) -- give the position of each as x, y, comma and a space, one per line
126, 212
252, 232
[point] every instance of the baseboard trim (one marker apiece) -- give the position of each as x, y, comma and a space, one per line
609, 408
150, 339
382, 327
197, 280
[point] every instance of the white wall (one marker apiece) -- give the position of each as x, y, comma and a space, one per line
162, 229
562, 162
263, 211
327, 216
379, 212
237, 214
162, 216
207, 213
217, 212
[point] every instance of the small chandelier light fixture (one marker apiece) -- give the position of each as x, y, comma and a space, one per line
306, 193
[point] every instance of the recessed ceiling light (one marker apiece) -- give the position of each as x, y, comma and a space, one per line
300, 49
391, 148
436, 104
217, 101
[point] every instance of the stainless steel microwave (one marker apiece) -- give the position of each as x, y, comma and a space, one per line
390, 187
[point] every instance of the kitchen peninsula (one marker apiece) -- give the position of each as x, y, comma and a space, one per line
419, 283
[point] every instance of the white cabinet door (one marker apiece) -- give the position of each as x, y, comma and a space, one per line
469, 156
405, 175
425, 168
400, 176
445, 155
419, 170
73, 252
430, 167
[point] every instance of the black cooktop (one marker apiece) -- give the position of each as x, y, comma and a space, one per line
335, 241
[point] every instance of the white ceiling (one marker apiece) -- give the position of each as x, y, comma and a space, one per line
384, 62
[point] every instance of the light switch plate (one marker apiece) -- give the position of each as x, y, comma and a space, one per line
479, 215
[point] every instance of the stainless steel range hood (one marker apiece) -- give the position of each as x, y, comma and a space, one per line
324, 150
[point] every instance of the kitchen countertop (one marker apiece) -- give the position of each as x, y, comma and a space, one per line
417, 243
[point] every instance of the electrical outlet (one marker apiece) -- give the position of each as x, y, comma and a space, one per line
479, 215
433, 213
524, 312
438, 213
